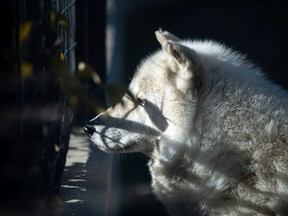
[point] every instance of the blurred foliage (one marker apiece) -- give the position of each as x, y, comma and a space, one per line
47, 93
24, 31
71, 83
26, 70
40, 97
43, 95
60, 20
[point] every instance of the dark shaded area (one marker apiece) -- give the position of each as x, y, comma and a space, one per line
136, 195
256, 28
35, 115
41, 91
91, 34
91, 18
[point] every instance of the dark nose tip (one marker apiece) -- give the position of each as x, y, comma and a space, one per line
89, 130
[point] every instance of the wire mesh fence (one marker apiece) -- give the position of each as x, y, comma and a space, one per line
36, 111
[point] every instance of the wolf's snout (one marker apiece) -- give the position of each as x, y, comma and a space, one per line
89, 126
89, 130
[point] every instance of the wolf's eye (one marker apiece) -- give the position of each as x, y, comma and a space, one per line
141, 101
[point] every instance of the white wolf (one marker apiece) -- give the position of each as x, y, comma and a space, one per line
215, 128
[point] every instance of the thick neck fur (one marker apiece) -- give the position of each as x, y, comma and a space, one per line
233, 126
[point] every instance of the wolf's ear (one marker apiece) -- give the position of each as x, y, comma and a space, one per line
171, 44
164, 35
185, 58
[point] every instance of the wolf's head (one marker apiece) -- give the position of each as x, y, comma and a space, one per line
164, 89
167, 89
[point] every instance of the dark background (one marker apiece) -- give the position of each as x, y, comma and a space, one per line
256, 28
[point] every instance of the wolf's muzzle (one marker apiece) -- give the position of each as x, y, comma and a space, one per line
89, 126
89, 130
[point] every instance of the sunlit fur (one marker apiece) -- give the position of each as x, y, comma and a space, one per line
215, 128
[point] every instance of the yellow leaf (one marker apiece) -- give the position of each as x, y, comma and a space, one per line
85, 69
96, 78
24, 31
73, 100
52, 17
63, 23
81, 66
26, 70
62, 57
56, 147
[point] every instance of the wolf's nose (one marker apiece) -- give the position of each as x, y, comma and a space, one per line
89, 130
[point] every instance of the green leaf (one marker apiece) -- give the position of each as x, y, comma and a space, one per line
115, 93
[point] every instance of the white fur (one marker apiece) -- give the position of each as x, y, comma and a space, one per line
215, 128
